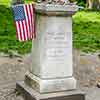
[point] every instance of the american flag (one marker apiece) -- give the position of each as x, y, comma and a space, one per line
24, 21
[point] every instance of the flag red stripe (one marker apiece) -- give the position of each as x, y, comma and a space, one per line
30, 15
23, 30
26, 29
29, 11
18, 28
18, 32
27, 25
22, 33
28, 20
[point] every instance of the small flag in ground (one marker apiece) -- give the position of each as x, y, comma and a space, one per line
24, 21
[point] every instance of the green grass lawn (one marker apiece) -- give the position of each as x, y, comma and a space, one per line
86, 28
86, 32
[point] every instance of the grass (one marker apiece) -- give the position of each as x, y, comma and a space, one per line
86, 32
5, 2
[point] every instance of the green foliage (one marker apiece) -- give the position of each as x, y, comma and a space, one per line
80, 2
86, 29
8, 40
8, 2
4, 2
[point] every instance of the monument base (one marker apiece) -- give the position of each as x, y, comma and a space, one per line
30, 94
50, 85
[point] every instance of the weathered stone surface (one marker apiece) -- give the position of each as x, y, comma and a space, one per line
7, 92
12, 69
29, 94
52, 48
44, 85
86, 68
61, 10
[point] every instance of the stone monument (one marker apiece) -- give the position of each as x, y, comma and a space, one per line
51, 76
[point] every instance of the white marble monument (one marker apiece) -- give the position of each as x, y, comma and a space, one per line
52, 68
51, 76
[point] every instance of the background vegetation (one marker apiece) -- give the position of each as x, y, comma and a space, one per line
86, 31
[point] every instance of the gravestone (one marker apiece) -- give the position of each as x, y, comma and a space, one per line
51, 76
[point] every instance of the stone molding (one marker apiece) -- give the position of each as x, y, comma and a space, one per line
56, 10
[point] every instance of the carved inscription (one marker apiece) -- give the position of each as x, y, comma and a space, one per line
56, 46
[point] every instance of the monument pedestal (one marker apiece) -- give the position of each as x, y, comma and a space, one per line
30, 94
52, 68
50, 85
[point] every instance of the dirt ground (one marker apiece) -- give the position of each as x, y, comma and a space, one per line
12, 70
86, 71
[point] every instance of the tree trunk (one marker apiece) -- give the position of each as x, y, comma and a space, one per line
93, 4
96, 4
89, 4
